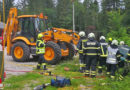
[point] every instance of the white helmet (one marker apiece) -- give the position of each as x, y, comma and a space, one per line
81, 33
102, 37
91, 35
122, 42
114, 42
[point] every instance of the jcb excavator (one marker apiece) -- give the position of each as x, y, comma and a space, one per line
21, 33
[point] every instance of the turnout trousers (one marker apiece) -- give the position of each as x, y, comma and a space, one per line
82, 61
41, 59
111, 69
91, 62
41, 62
102, 62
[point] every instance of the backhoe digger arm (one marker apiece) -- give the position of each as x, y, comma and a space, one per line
11, 27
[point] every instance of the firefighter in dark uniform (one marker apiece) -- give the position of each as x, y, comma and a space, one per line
103, 53
126, 68
112, 59
91, 49
80, 46
40, 50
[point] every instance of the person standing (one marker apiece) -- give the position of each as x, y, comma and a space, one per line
80, 46
40, 50
104, 53
112, 59
126, 67
91, 49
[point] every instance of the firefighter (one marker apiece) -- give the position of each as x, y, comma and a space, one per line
91, 49
113, 58
40, 50
128, 56
126, 68
80, 51
103, 56
109, 41
122, 43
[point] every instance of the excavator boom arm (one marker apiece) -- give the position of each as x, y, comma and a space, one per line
11, 27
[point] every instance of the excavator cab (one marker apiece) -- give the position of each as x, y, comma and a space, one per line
29, 27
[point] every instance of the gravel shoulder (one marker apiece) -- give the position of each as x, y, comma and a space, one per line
17, 68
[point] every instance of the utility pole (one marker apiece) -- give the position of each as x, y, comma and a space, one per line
0, 17
73, 16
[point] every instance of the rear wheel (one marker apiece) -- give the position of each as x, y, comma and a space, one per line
52, 53
71, 50
20, 52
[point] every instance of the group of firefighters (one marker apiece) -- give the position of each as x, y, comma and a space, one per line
93, 53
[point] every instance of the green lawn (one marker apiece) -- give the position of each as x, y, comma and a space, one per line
30, 80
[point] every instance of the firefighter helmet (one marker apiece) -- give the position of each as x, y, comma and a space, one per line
81, 33
40, 35
110, 39
122, 42
114, 42
102, 37
91, 35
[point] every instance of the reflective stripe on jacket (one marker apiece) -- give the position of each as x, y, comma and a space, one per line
80, 45
111, 58
103, 49
91, 48
40, 49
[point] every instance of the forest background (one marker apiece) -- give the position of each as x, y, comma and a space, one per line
110, 18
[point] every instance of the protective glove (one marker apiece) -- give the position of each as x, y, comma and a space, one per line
122, 58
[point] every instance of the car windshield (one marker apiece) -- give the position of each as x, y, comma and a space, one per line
39, 25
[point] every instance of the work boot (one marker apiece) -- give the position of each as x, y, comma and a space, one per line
100, 71
112, 77
44, 66
93, 76
38, 67
121, 77
108, 73
87, 73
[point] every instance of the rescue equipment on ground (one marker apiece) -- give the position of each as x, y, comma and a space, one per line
60, 82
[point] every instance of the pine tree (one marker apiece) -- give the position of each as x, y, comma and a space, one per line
92, 10
64, 13
126, 19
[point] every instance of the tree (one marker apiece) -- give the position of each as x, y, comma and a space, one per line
126, 19
91, 12
1, 11
79, 16
8, 5
117, 30
64, 14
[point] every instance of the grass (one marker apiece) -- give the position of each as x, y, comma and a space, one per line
30, 80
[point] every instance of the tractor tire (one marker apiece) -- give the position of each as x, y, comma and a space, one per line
52, 53
20, 52
71, 50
